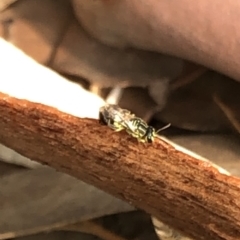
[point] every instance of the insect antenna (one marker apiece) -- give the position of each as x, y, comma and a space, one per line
163, 128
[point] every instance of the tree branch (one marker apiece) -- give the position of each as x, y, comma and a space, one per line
190, 195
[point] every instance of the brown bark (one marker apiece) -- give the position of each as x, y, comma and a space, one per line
188, 194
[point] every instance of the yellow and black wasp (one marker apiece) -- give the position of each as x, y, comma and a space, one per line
119, 119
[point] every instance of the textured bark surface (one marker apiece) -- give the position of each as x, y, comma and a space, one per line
188, 194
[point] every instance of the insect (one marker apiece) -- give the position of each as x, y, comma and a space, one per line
119, 119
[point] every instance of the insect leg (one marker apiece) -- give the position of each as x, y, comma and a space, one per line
114, 127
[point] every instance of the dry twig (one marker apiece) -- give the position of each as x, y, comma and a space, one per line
229, 113
93, 228
190, 195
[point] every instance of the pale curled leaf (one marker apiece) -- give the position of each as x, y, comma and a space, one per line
40, 200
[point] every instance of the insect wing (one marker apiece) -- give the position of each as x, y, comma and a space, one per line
114, 116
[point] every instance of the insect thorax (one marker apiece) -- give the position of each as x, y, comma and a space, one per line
138, 126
